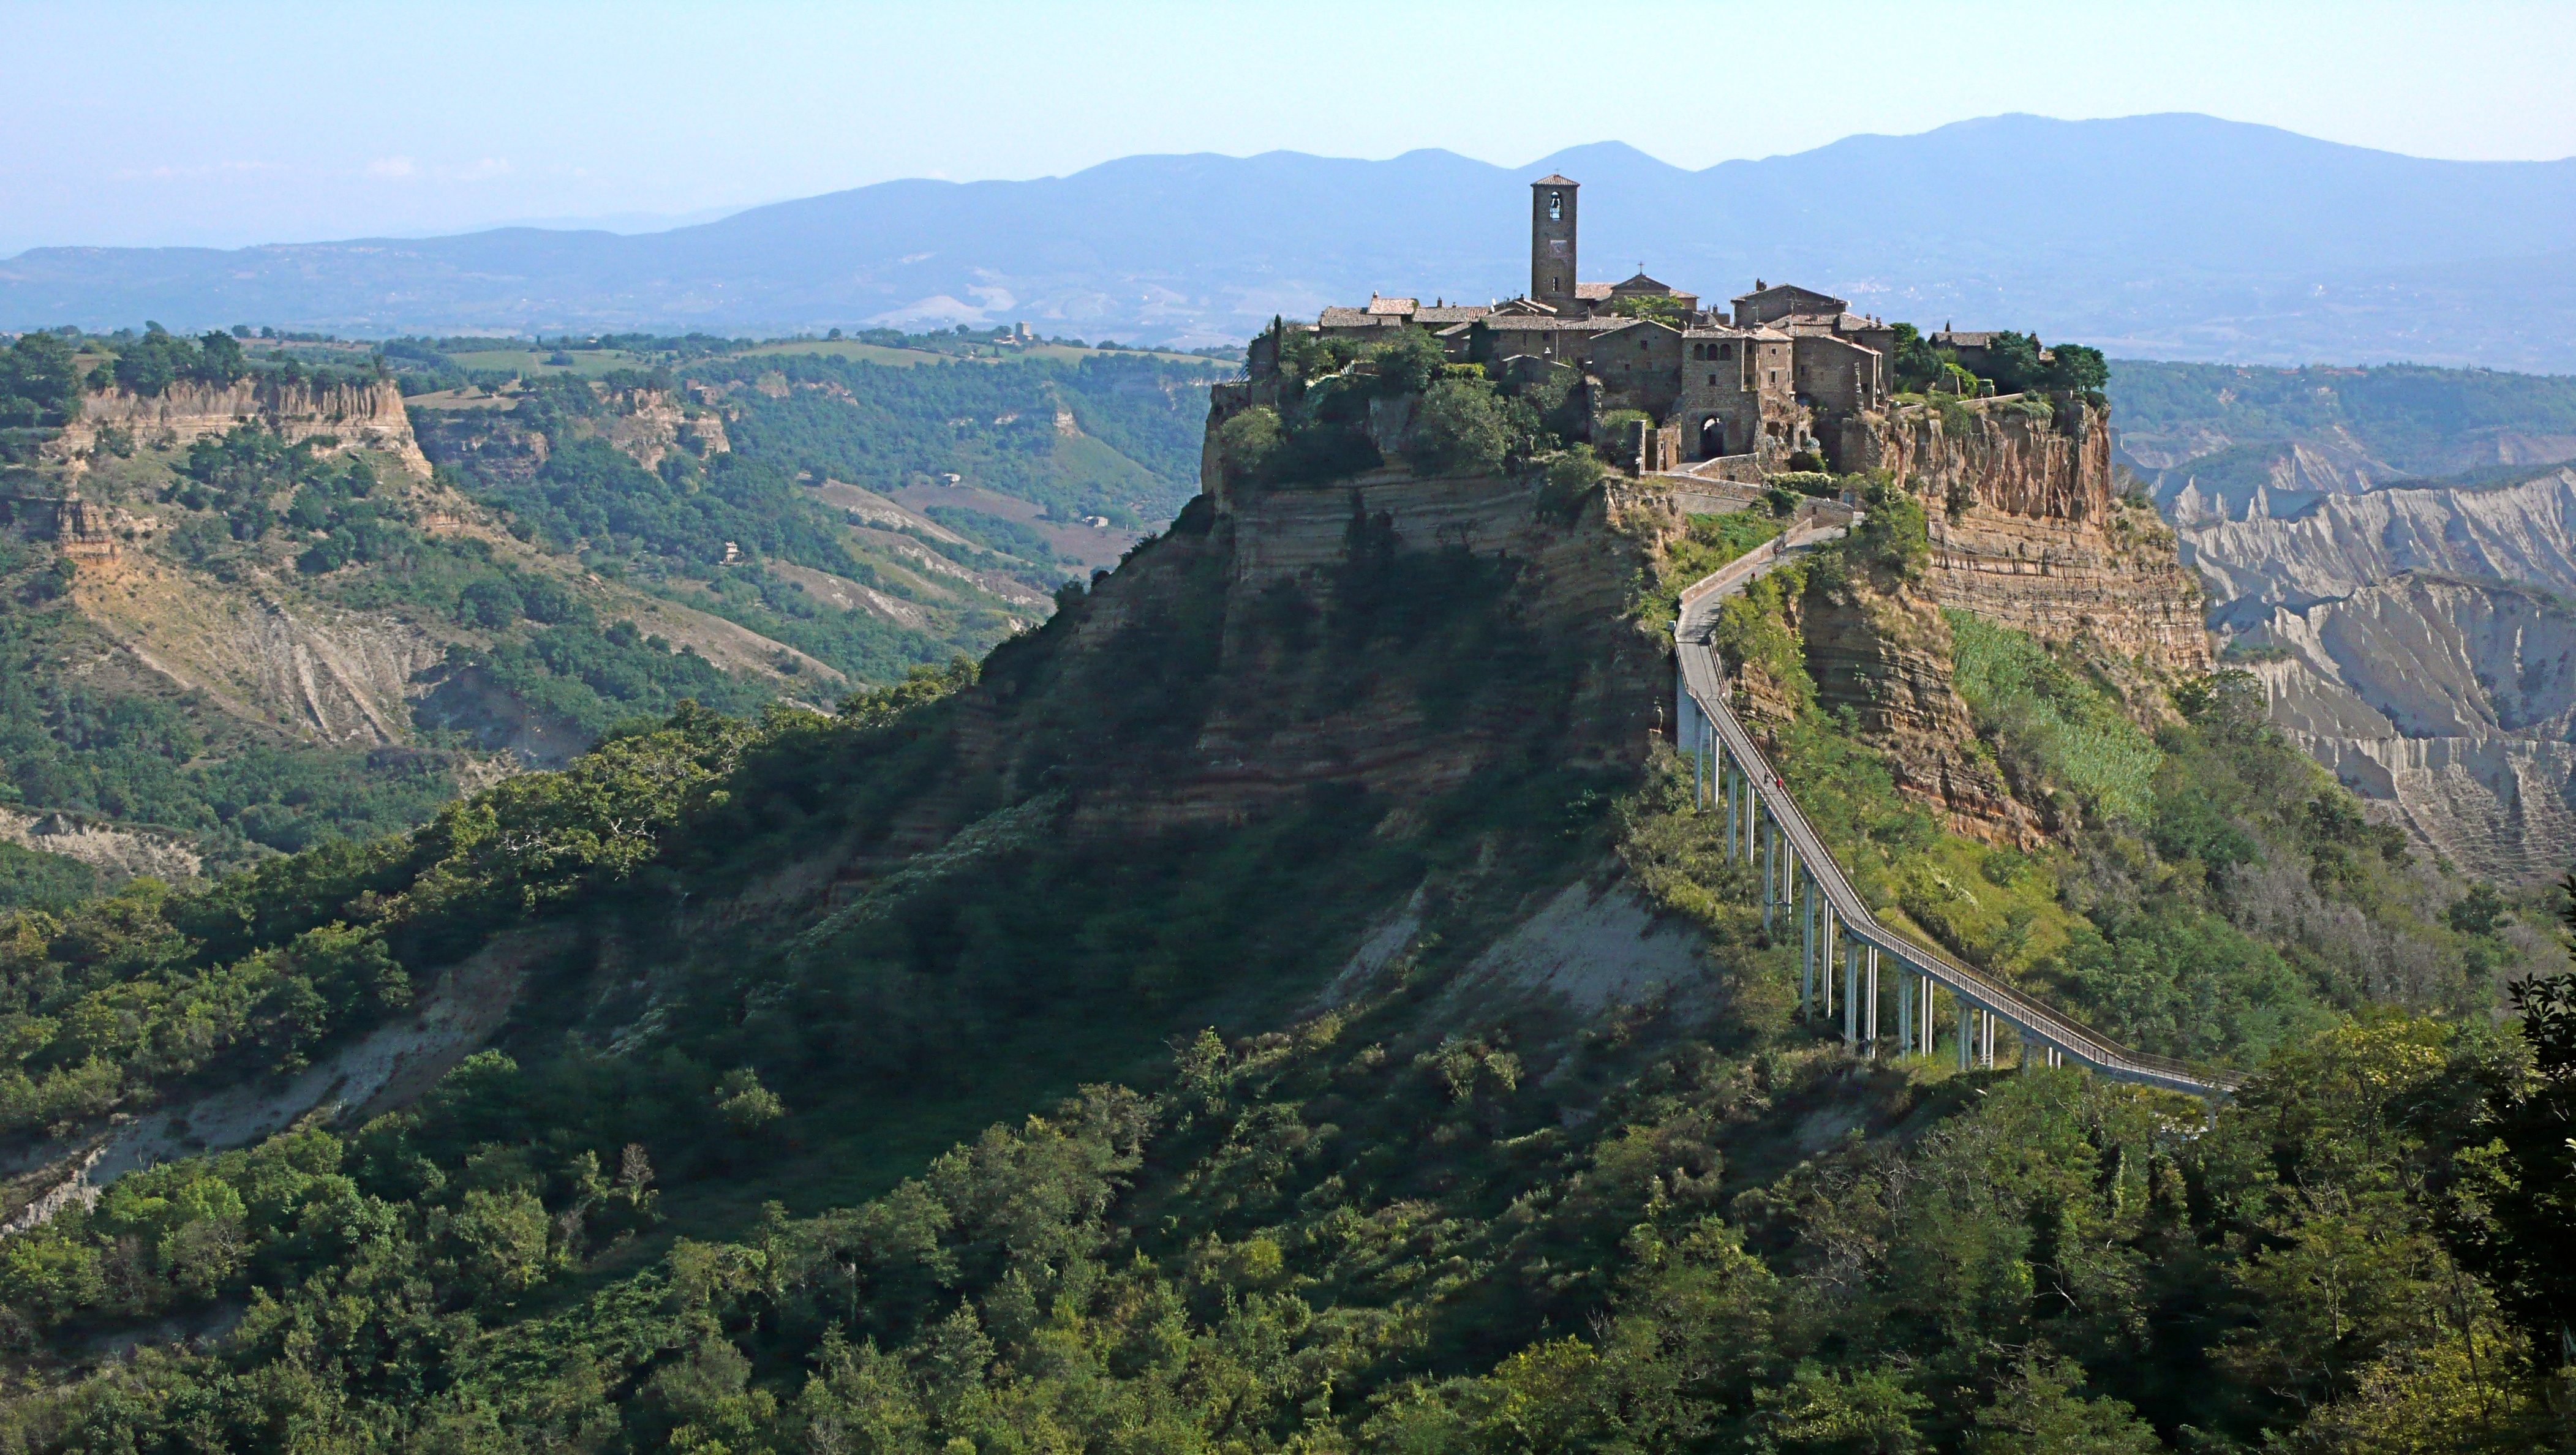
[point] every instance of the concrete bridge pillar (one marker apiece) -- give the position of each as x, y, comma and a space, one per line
1852, 1019
1870, 999
1807, 953
1904, 1009
1770, 868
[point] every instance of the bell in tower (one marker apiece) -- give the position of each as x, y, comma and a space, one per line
1552, 243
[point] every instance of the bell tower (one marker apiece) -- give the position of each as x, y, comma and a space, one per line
1552, 242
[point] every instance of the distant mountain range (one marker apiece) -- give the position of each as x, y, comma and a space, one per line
2172, 236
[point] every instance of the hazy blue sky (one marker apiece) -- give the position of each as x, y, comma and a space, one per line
259, 120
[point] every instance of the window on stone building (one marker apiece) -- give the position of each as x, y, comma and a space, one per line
1556, 207
1712, 381
1726, 351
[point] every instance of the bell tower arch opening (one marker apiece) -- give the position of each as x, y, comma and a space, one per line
1552, 259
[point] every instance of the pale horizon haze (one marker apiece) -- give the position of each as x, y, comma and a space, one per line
159, 124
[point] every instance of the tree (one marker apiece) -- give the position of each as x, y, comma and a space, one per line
2078, 369
744, 1103
38, 383
222, 358
2038, 1412
2532, 1175
2013, 362
1246, 443
1408, 363
1458, 429
1917, 363
1866, 1411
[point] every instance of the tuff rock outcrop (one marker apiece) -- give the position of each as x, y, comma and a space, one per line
358, 416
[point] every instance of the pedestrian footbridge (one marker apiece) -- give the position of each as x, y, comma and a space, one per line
1851, 966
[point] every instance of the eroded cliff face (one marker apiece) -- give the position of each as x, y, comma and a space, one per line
2023, 530
2026, 531
645, 424
2452, 701
1386, 633
2520, 532
1884, 655
357, 416
2414, 660
334, 676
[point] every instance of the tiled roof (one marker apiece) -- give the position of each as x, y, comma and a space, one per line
1640, 323
1838, 303
1354, 318
1553, 180
1391, 305
1591, 290
1835, 322
1515, 323
1451, 313
1965, 340
1641, 284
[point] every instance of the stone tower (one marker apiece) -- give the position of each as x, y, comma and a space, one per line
1552, 242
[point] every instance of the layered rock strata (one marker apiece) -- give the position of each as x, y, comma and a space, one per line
2026, 531
1386, 633
369, 416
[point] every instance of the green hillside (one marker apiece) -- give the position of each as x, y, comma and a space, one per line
562, 584
910, 1079
2408, 417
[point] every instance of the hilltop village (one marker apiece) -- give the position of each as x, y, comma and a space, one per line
1736, 391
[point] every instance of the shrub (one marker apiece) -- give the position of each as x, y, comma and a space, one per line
2048, 721
1247, 443
1896, 535
1459, 429
1816, 483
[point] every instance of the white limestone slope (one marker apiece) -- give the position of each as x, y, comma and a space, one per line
2453, 701
2524, 532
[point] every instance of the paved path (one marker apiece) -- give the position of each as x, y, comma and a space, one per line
1710, 726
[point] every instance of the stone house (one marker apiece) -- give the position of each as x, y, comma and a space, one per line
1776, 371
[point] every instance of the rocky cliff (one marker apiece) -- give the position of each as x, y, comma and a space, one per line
2025, 529
486, 433
358, 416
1384, 633
1883, 657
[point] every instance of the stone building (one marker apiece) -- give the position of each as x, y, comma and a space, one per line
1768, 376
